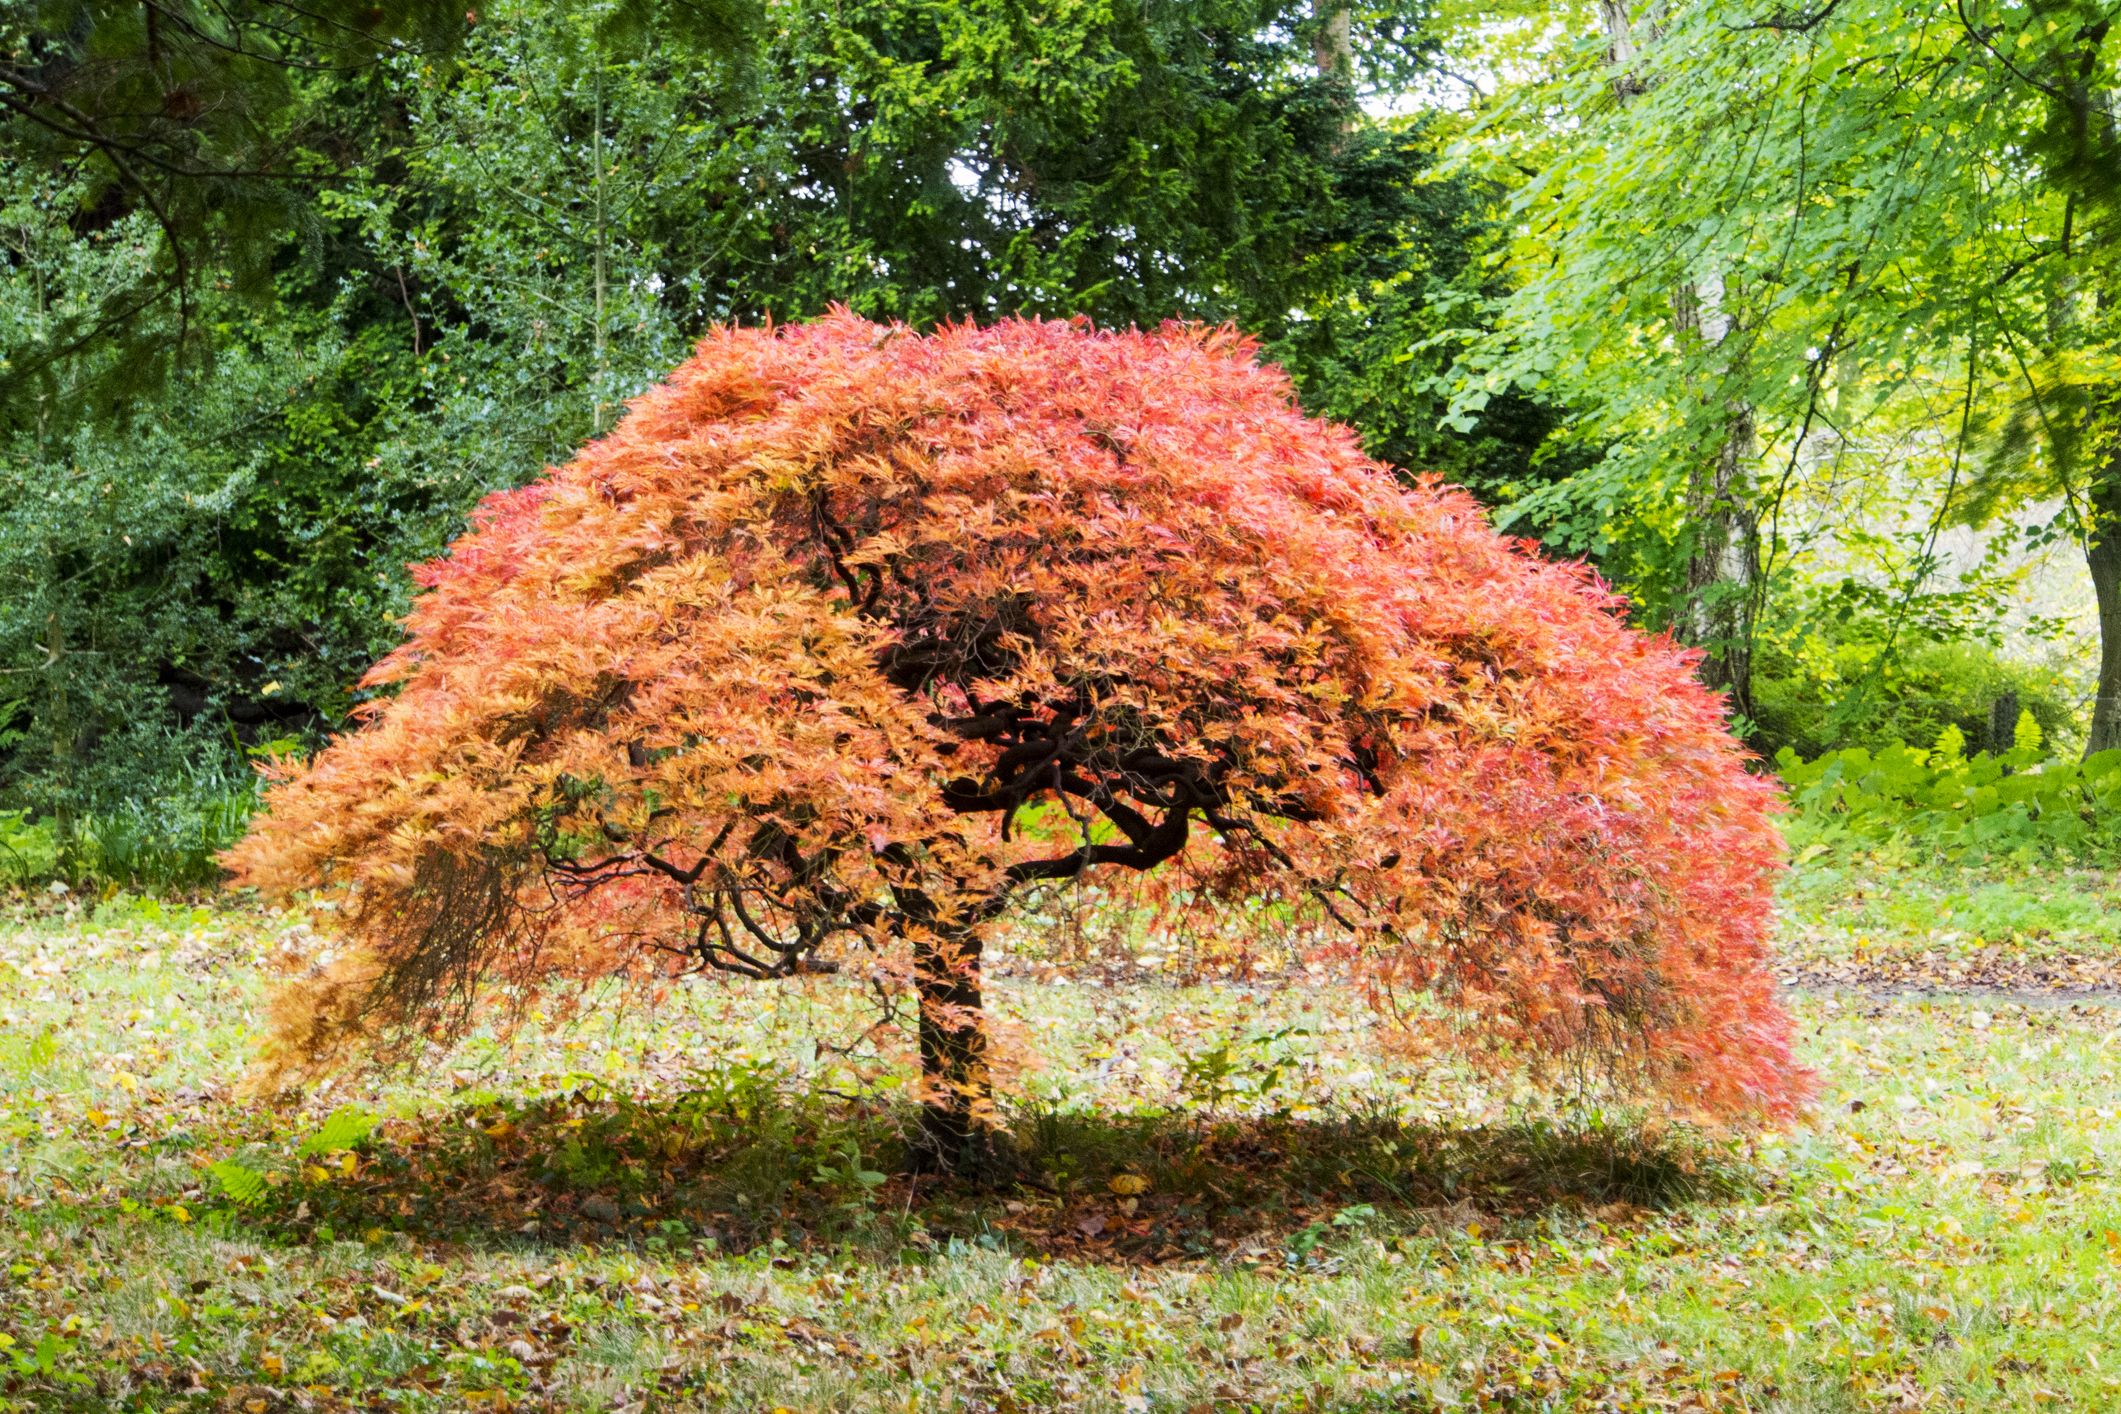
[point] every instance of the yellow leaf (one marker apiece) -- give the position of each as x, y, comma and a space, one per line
1126, 1185
272, 1364
315, 1173
125, 1082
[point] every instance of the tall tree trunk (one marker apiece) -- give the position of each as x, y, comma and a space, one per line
600, 335
1621, 46
1332, 45
2102, 555
1714, 603
1715, 608
60, 708
1723, 566
958, 1132
2084, 143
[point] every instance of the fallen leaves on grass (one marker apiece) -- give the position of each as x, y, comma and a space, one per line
534, 1234
1995, 968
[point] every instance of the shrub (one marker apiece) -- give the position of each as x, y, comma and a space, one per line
1837, 695
167, 842
2019, 804
165, 830
29, 848
848, 639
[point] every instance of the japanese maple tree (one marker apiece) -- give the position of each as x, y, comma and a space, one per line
848, 638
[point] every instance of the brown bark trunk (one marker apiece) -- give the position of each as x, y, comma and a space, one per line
2102, 555
1715, 608
62, 732
1332, 45
958, 1133
1723, 565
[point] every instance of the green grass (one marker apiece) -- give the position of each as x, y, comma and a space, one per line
1234, 1200
1835, 905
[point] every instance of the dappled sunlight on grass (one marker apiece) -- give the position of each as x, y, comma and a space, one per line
1147, 1188
1225, 1196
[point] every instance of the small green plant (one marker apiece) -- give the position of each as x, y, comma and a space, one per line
346, 1127
29, 849
40, 1050
42, 1361
850, 1174
239, 1182
1233, 1068
731, 1091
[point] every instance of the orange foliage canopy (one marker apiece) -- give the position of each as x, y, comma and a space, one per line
791, 670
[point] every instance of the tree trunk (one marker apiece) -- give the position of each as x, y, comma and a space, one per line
1723, 565
2003, 723
1332, 45
1714, 607
62, 729
958, 1134
600, 335
2102, 555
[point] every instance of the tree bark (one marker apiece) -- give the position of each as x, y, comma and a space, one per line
1714, 603
1332, 45
958, 1134
62, 725
1715, 609
2102, 555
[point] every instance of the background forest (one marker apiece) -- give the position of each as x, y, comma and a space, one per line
1794, 322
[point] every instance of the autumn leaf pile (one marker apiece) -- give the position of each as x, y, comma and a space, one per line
848, 635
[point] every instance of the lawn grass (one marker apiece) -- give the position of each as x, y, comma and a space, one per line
1836, 903
1888, 920
1233, 1200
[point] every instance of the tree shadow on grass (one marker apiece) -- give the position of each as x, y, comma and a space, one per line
768, 1171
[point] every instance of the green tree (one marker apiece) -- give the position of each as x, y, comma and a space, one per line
404, 266
1864, 227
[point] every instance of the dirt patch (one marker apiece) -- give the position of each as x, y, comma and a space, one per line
2004, 973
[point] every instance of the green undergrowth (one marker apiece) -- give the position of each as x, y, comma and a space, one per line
161, 844
2018, 807
1931, 852
1225, 1198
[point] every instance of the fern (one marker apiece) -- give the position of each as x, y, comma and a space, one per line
241, 1183
345, 1128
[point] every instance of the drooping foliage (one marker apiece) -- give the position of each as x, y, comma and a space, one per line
847, 637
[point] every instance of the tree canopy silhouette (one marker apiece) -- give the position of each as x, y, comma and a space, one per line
848, 637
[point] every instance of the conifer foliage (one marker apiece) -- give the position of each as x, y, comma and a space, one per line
847, 638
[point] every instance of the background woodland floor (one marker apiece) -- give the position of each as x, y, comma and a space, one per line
1233, 1199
